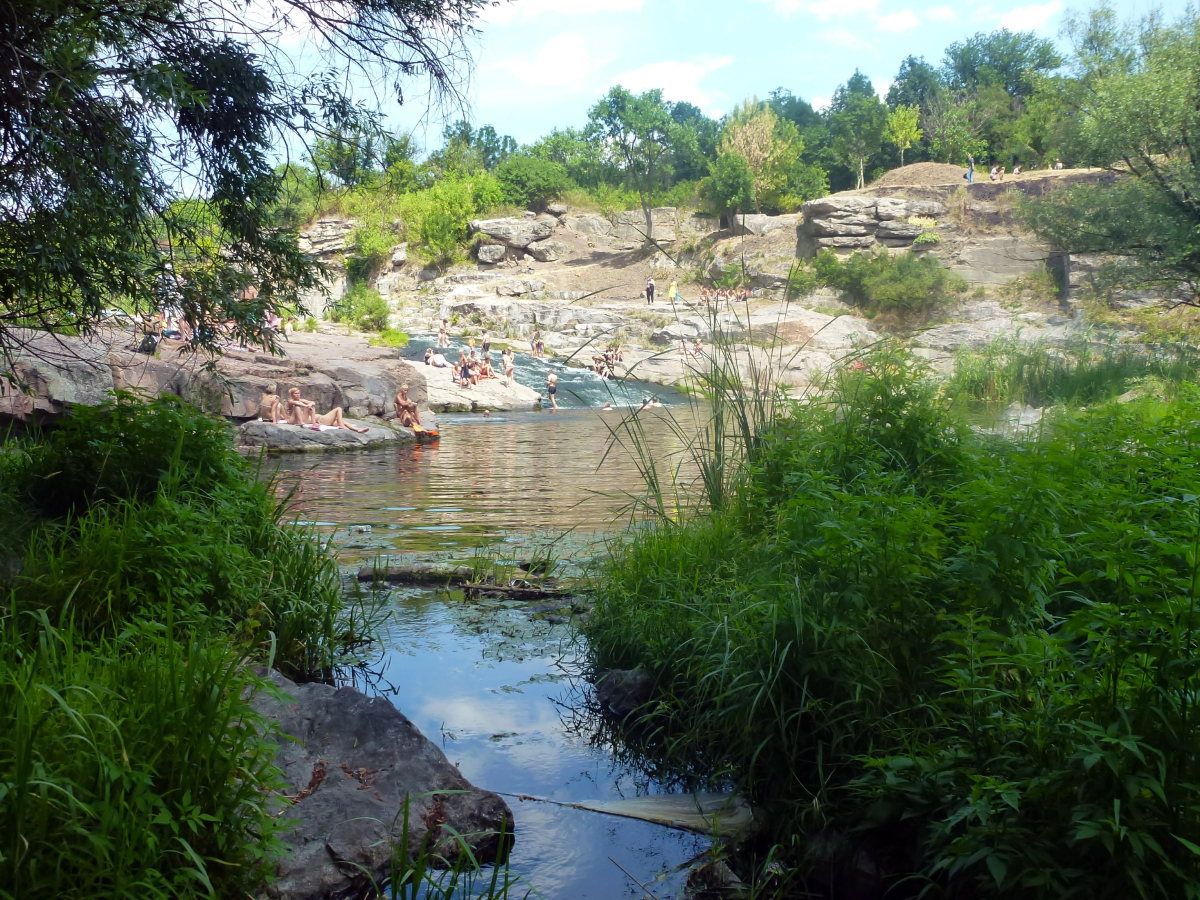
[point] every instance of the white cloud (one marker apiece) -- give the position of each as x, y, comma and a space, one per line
897, 22
820, 103
678, 80
527, 79
508, 10
846, 39
1030, 18
941, 14
823, 9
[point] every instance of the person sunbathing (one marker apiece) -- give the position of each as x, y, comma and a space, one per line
304, 412
270, 407
406, 410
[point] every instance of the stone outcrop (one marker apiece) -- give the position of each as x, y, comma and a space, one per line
349, 762
847, 222
327, 237
255, 435
759, 224
588, 224
490, 394
512, 232
329, 369
490, 254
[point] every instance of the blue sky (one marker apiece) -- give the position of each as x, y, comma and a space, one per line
540, 64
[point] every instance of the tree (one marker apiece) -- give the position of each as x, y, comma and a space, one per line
137, 144
531, 182
952, 133
788, 106
730, 186
769, 145
915, 83
904, 128
1135, 114
691, 166
635, 130
572, 149
858, 129
1010, 59
348, 156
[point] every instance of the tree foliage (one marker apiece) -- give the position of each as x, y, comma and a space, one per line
767, 144
1134, 93
904, 128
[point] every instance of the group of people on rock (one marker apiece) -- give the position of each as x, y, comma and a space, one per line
472, 367
295, 410
696, 349
717, 296
997, 171
605, 365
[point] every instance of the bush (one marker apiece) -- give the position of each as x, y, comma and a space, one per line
529, 182
972, 660
372, 246
390, 338
880, 282
130, 768
361, 307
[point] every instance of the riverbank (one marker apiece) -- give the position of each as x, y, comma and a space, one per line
933, 655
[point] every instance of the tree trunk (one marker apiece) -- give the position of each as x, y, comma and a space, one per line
648, 210
862, 182
902, 157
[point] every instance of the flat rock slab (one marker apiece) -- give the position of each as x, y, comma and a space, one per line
296, 439
491, 394
418, 573
349, 761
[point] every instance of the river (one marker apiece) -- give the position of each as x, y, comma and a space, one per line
498, 688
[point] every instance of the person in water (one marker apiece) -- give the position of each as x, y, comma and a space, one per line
270, 407
443, 334
608, 407
552, 387
406, 410
304, 412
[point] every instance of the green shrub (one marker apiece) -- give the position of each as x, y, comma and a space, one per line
131, 767
361, 307
880, 282
530, 182
972, 659
311, 325
372, 250
390, 338
925, 238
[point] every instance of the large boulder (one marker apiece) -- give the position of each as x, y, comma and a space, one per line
294, 439
515, 233
546, 251
326, 237
350, 763
759, 224
838, 206
491, 253
630, 225
558, 209
399, 255
589, 224
891, 208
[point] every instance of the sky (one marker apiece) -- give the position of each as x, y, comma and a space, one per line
540, 64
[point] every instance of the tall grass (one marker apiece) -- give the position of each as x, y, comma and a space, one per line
972, 660
1079, 373
145, 567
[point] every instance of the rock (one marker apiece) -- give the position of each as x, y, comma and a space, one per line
837, 206
428, 274
294, 439
759, 224
518, 286
892, 208
898, 231
56, 374
630, 225
588, 223
348, 762
854, 225
998, 260
529, 214
491, 394
847, 242
491, 253
544, 251
516, 233
326, 237
558, 209
621, 692
399, 255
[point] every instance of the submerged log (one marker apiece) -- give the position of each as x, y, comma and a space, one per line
515, 592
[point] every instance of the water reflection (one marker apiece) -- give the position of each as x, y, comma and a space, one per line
505, 479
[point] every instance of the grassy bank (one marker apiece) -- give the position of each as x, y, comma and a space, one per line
973, 661
144, 570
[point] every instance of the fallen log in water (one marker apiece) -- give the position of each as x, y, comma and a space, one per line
514, 592
418, 573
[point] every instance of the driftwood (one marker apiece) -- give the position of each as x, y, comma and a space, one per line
514, 592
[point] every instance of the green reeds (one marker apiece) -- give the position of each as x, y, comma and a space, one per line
973, 660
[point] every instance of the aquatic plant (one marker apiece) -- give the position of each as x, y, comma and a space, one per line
973, 660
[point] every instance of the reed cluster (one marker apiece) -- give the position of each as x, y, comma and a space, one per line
974, 660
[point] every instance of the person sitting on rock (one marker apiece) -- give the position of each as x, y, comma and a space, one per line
304, 412
270, 407
406, 410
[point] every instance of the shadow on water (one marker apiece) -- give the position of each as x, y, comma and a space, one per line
498, 687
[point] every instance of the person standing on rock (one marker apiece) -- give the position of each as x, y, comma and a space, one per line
970, 176
650, 290
673, 292
552, 387
486, 345
443, 334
